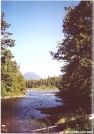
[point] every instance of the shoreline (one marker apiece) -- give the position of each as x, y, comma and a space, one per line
45, 89
8, 97
35, 89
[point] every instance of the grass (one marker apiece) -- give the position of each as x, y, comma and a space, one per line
82, 126
67, 117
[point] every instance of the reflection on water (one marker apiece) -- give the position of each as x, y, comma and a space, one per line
23, 114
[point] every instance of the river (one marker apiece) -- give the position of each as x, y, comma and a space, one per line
24, 114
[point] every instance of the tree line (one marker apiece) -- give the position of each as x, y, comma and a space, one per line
50, 82
12, 81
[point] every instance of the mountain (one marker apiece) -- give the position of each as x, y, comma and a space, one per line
31, 75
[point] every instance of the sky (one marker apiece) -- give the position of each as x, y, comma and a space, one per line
36, 28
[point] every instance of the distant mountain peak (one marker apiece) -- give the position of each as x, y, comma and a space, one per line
31, 75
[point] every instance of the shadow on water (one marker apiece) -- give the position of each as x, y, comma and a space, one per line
15, 118
7, 113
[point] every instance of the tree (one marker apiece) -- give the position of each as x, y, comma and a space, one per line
11, 78
5, 41
76, 50
6, 56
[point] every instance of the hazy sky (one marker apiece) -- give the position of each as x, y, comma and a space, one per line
36, 28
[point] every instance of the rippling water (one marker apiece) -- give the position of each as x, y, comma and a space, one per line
22, 114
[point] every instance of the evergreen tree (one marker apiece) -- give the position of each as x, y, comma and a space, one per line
9, 70
76, 50
6, 56
6, 41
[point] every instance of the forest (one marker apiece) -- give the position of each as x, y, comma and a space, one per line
47, 83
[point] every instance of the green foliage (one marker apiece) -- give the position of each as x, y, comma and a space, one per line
3, 87
76, 50
50, 82
5, 41
11, 79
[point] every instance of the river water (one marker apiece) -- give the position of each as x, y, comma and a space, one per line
22, 115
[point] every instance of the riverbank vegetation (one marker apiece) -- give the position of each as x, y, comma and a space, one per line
76, 50
12, 81
49, 83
